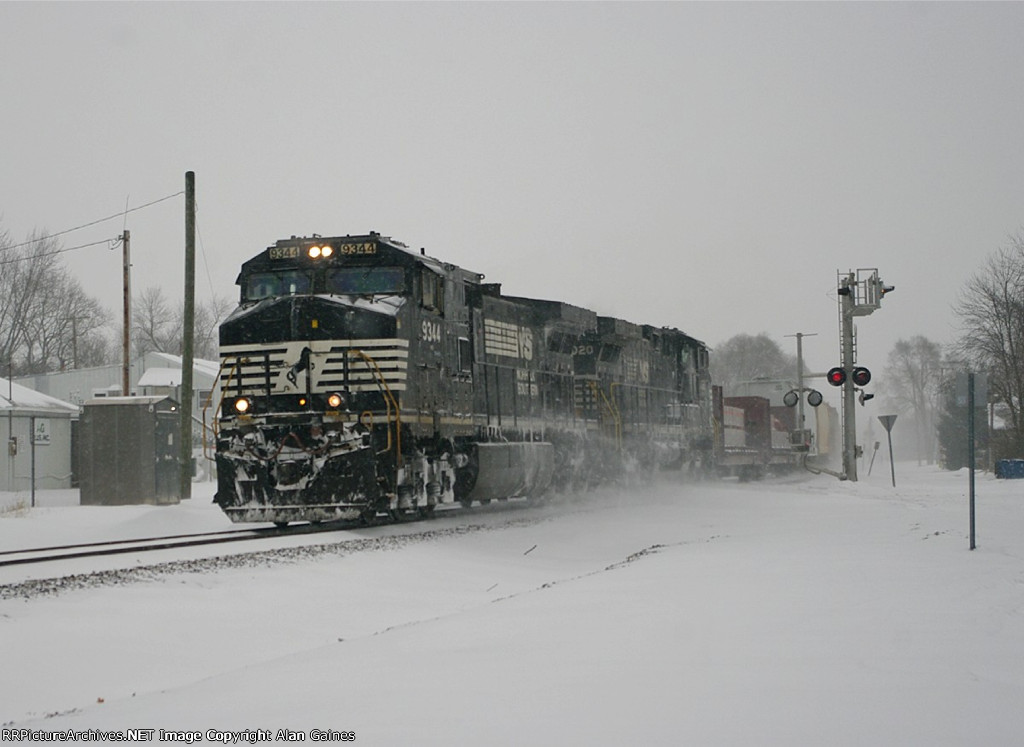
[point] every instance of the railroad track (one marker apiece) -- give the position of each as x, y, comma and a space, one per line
149, 544
38, 555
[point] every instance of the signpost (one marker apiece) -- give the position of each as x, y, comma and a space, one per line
971, 387
970, 447
887, 423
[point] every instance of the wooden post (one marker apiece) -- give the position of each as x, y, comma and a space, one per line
126, 384
185, 460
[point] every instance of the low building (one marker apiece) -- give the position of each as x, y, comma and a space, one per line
154, 374
128, 451
37, 429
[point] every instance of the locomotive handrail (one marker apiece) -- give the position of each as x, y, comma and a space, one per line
389, 400
618, 412
614, 413
239, 360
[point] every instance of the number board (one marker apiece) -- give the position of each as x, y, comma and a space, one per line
363, 247
284, 252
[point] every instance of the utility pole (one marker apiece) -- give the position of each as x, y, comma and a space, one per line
185, 460
127, 336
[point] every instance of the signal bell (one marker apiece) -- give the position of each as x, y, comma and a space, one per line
837, 376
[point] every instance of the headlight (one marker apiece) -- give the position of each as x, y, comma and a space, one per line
315, 252
335, 401
242, 405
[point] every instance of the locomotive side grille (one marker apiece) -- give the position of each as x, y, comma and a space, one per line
245, 372
332, 365
391, 357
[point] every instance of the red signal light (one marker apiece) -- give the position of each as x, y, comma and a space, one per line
836, 376
861, 376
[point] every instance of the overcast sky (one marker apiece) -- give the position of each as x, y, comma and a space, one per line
703, 166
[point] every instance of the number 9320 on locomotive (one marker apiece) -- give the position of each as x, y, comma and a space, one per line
359, 379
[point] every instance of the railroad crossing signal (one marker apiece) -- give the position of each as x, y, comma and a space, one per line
859, 294
836, 376
860, 376
792, 397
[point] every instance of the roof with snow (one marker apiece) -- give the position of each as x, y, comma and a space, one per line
15, 397
199, 365
161, 377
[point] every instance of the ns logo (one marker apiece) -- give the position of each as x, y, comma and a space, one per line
525, 343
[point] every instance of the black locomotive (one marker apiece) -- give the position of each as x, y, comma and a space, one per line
361, 378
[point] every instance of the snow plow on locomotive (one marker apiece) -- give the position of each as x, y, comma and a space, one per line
360, 378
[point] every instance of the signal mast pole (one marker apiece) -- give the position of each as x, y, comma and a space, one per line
859, 295
848, 358
801, 424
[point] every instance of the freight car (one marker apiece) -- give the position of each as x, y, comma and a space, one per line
361, 378
752, 437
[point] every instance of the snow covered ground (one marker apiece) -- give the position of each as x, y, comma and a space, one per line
785, 612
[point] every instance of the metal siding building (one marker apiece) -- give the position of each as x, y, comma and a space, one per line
37, 432
128, 452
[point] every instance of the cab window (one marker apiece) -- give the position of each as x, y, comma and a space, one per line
433, 291
366, 280
262, 285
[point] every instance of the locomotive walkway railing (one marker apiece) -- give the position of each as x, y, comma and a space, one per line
239, 360
613, 411
389, 402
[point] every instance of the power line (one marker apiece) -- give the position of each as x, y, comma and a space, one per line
93, 223
11, 261
202, 251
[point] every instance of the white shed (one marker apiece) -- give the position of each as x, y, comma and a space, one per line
37, 431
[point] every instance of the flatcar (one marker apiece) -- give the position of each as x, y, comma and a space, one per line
360, 378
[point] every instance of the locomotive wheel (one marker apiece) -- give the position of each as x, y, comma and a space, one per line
280, 524
400, 515
466, 502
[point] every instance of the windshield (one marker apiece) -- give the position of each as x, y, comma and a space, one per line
284, 283
366, 280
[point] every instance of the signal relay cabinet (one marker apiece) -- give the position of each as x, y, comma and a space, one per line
128, 451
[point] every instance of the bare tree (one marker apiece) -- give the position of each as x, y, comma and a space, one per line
747, 357
29, 271
209, 315
155, 327
62, 324
912, 378
991, 311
